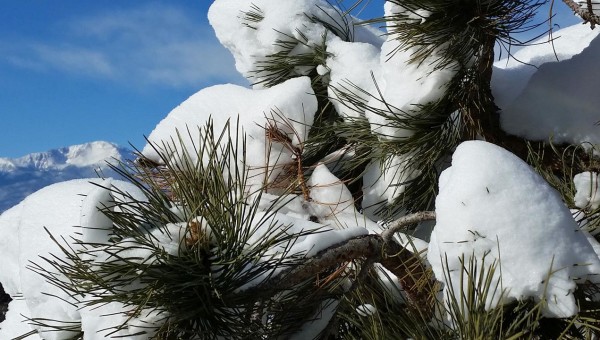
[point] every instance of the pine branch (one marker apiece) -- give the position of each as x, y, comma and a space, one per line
367, 246
407, 266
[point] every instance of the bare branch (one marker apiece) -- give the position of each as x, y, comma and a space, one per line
586, 14
401, 223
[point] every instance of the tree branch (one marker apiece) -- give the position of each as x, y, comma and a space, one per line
366, 246
401, 223
408, 267
586, 14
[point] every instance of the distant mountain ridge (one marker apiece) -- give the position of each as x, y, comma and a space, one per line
22, 176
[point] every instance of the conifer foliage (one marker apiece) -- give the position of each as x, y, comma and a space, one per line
304, 207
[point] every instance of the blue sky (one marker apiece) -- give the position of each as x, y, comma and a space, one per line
78, 71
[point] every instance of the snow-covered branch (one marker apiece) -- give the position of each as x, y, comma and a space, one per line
371, 248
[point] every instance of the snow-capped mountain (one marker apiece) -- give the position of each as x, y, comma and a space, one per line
22, 176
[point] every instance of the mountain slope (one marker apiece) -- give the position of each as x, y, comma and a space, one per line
22, 176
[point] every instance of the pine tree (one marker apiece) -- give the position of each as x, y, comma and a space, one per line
239, 269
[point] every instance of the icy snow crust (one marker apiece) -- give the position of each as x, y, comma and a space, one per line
492, 203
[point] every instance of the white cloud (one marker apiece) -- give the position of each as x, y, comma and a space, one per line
65, 58
147, 45
74, 59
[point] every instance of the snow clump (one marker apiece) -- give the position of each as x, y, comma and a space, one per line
492, 204
288, 107
249, 29
405, 85
588, 194
543, 98
64, 209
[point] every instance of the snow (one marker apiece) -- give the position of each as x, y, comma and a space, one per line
587, 194
490, 205
60, 208
98, 226
404, 85
289, 106
16, 324
81, 155
338, 220
57, 208
6, 165
252, 42
595, 6
92, 153
22, 176
330, 194
267, 224
383, 184
413, 244
330, 203
9, 250
361, 63
366, 309
493, 204
389, 280
352, 66
566, 43
167, 238
558, 99
311, 329
595, 244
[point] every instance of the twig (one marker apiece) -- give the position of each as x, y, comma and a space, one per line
401, 223
274, 134
413, 275
587, 15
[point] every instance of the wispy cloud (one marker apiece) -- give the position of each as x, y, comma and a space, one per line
148, 45
64, 58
